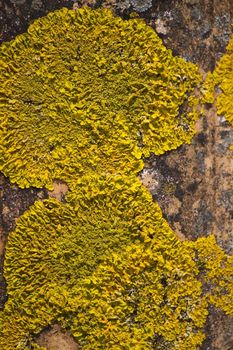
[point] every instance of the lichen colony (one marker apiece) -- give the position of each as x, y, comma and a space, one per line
84, 91
85, 96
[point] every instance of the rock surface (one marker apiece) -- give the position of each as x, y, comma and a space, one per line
13, 202
55, 339
193, 184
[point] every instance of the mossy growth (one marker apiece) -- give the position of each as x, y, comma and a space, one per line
86, 91
153, 297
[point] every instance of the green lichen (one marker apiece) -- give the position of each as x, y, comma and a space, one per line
86, 91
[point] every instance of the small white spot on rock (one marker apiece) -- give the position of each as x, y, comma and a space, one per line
161, 26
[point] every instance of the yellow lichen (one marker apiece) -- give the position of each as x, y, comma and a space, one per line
217, 269
106, 265
142, 298
222, 77
57, 244
86, 91
85, 96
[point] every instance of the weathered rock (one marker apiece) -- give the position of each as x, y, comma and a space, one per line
141, 5
55, 339
13, 202
37, 5
17, 2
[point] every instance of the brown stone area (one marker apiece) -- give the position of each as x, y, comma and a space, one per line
219, 331
13, 202
59, 191
193, 184
55, 339
15, 15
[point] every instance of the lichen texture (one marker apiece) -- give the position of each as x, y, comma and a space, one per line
222, 77
85, 91
85, 96
55, 245
106, 265
219, 86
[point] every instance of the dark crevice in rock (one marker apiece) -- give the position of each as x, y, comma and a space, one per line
14, 201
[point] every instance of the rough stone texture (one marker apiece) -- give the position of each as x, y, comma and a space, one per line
219, 331
140, 5
59, 191
15, 15
13, 202
55, 339
197, 30
193, 184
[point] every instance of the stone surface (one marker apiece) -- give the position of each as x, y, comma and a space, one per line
15, 15
141, 5
55, 339
13, 202
193, 184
